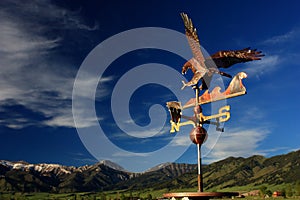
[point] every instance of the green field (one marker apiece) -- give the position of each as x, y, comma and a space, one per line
147, 194
101, 196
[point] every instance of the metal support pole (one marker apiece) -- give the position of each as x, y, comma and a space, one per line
197, 95
200, 177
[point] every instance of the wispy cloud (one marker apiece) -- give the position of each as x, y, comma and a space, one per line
125, 154
279, 50
268, 64
83, 158
239, 142
182, 140
30, 74
253, 113
289, 36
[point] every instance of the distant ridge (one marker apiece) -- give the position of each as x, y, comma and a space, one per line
158, 167
106, 175
112, 165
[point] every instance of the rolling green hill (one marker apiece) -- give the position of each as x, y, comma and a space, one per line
227, 173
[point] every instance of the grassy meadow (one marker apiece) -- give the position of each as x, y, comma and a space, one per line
147, 194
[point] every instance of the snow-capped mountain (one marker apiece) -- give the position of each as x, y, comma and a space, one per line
112, 165
55, 177
158, 167
25, 177
41, 168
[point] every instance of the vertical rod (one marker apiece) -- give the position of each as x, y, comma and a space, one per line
198, 145
200, 177
197, 95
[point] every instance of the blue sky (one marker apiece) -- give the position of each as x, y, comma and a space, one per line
52, 65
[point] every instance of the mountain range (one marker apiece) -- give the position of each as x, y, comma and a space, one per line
106, 175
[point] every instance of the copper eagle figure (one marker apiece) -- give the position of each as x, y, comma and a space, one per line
204, 68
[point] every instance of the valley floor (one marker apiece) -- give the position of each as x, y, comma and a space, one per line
113, 195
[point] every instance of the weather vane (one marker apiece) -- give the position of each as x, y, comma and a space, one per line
204, 69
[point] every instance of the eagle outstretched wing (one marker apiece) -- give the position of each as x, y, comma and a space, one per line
204, 68
193, 40
225, 59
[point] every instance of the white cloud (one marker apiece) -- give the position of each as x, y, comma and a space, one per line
182, 140
251, 114
145, 133
37, 11
266, 65
284, 38
279, 50
30, 74
122, 153
237, 143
